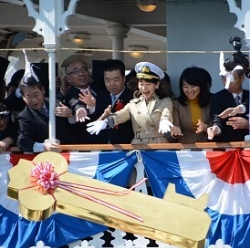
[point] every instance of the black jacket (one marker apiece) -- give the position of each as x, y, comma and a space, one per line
221, 101
121, 134
78, 132
33, 127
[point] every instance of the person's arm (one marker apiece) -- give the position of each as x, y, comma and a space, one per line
238, 122
25, 141
216, 109
25, 133
216, 121
118, 117
5, 143
240, 109
121, 116
166, 120
89, 100
167, 112
106, 113
176, 130
78, 108
38, 147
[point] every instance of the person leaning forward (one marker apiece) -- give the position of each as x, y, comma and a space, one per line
227, 128
33, 121
113, 98
79, 79
150, 111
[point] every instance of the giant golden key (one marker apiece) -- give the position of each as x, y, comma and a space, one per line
176, 219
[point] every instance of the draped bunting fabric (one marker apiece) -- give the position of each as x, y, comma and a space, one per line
223, 175
58, 230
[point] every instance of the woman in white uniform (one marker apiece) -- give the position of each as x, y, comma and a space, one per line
150, 111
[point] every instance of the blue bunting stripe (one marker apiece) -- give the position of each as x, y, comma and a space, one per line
192, 173
59, 229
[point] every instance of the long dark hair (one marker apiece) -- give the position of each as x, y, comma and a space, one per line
198, 77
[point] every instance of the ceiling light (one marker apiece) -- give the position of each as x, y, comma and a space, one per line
137, 51
147, 5
80, 38
86, 53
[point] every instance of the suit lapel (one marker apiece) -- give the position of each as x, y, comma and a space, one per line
229, 99
38, 116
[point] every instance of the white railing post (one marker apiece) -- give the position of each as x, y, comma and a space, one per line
51, 24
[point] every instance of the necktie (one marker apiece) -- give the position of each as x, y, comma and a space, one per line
44, 111
237, 100
113, 99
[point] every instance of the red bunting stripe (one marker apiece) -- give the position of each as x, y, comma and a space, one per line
231, 166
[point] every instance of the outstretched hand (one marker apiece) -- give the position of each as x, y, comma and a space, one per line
165, 126
82, 115
106, 113
230, 112
95, 127
201, 127
63, 111
238, 123
87, 98
176, 132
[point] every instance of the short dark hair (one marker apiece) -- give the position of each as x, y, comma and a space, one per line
114, 64
195, 76
30, 82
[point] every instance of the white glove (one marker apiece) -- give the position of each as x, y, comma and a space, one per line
96, 126
165, 126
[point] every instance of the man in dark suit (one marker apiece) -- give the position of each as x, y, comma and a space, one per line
79, 79
230, 128
33, 120
116, 95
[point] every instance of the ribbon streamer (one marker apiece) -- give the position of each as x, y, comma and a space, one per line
44, 176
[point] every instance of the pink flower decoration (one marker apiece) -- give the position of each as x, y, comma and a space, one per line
45, 177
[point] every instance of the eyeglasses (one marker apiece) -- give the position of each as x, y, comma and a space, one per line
78, 71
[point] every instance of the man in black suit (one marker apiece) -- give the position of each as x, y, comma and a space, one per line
116, 95
33, 120
227, 129
79, 79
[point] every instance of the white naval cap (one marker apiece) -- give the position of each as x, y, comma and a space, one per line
147, 70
